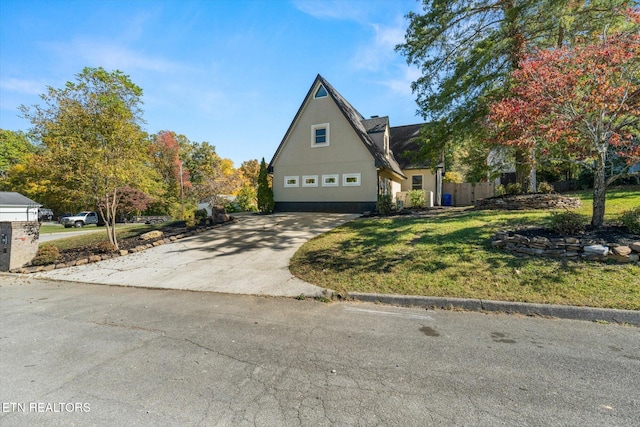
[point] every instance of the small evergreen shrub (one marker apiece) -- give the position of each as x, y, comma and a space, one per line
545, 188
266, 204
514, 188
567, 223
631, 220
46, 255
385, 205
500, 190
416, 197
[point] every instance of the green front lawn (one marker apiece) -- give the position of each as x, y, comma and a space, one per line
449, 254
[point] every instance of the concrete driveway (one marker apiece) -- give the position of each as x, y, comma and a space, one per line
248, 257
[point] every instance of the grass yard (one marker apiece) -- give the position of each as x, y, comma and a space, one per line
449, 254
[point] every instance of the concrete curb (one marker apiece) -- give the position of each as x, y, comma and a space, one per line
548, 310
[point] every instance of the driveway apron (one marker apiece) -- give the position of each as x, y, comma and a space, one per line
250, 256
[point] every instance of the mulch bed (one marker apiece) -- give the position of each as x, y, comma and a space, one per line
172, 229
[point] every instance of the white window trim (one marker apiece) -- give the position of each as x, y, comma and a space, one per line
345, 176
313, 135
288, 178
306, 177
331, 184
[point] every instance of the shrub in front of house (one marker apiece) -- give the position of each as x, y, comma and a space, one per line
514, 188
416, 197
567, 223
545, 188
500, 190
385, 204
631, 220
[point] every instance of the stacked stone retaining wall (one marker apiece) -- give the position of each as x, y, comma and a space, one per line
529, 201
567, 248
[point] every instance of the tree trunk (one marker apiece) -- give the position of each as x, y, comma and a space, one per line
599, 192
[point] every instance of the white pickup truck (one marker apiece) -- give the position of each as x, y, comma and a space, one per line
80, 220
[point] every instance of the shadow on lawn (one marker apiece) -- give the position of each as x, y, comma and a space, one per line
389, 245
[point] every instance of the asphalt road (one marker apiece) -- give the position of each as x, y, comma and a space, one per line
79, 354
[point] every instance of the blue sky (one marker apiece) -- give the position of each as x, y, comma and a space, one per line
232, 73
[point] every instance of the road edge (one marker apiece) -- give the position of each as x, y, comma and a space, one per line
544, 310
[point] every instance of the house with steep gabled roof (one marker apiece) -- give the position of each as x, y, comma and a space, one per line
332, 159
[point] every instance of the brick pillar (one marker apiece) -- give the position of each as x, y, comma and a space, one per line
18, 243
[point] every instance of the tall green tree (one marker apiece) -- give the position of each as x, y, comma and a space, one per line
466, 49
265, 192
95, 145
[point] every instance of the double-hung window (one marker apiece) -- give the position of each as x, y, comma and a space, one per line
416, 182
320, 135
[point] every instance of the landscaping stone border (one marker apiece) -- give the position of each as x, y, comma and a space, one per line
566, 247
529, 201
147, 241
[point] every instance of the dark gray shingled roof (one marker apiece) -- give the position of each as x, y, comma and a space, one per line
11, 198
405, 144
355, 119
376, 124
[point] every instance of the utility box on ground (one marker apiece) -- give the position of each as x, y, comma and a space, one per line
18, 243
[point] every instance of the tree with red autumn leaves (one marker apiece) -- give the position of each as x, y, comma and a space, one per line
578, 104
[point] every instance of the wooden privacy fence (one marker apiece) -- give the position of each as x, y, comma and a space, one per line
467, 193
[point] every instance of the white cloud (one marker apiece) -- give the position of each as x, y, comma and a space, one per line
111, 56
30, 87
381, 50
402, 84
347, 10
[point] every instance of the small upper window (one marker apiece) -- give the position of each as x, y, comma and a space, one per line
320, 135
321, 92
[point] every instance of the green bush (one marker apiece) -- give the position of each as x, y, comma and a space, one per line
416, 197
246, 199
385, 205
500, 190
200, 215
631, 220
46, 255
568, 222
545, 187
514, 188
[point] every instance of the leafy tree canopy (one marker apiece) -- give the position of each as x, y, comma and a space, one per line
14, 147
579, 103
465, 50
95, 146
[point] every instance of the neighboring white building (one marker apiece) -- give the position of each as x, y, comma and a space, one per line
16, 207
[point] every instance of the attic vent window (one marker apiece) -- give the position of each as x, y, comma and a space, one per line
321, 92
